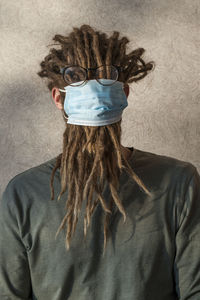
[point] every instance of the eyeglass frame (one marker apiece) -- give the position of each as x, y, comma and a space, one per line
118, 68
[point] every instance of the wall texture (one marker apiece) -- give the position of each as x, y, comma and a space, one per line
163, 112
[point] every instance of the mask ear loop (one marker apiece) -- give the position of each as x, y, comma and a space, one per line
66, 118
63, 112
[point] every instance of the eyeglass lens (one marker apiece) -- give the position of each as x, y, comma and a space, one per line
76, 75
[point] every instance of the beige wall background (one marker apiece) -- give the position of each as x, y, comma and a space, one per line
163, 115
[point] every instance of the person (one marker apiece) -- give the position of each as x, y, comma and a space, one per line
126, 223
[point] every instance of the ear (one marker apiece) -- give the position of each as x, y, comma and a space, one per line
56, 97
126, 89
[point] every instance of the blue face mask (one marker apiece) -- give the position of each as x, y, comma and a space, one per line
94, 104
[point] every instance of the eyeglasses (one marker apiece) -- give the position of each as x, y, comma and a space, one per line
74, 74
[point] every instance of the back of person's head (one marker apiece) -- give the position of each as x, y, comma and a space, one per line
91, 155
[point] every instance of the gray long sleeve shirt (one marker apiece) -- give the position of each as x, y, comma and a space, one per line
155, 255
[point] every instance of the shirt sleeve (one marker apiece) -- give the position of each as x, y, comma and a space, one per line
15, 282
187, 258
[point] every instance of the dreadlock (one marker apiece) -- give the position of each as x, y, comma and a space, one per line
91, 153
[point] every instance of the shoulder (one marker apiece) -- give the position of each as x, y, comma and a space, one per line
28, 181
162, 170
155, 161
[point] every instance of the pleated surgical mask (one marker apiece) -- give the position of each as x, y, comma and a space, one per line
94, 104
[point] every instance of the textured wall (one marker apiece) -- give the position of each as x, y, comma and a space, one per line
163, 112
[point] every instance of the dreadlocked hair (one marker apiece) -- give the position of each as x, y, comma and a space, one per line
91, 155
